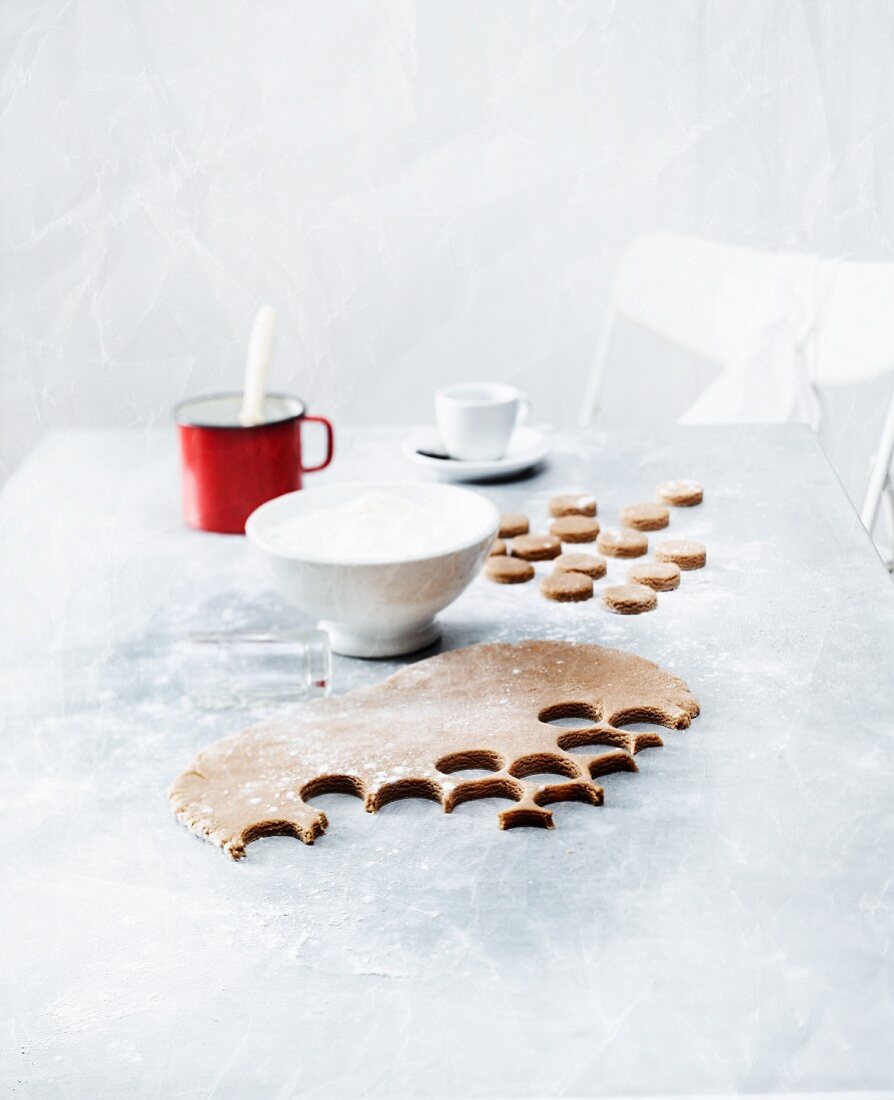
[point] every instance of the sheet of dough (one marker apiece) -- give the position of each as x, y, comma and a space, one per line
486, 706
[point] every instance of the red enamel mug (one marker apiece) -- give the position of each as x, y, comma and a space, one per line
229, 470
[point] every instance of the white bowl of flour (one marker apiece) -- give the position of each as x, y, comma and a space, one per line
374, 562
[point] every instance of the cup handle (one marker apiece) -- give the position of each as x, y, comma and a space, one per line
330, 444
524, 410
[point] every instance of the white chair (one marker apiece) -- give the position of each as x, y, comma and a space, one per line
708, 298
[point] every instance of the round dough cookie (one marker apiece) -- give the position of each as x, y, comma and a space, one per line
683, 493
645, 517
662, 576
506, 570
629, 599
687, 553
536, 547
575, 528
590, 564
498, 548
622, 544
512, 524
572, 504
567, 587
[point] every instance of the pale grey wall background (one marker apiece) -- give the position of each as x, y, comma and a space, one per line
426, 190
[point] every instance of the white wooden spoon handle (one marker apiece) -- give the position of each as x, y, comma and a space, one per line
260, 345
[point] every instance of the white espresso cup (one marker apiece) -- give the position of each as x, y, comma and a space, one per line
476, 419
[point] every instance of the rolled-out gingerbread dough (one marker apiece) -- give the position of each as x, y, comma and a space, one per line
487, 706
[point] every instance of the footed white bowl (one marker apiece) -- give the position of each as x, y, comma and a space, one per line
377, 608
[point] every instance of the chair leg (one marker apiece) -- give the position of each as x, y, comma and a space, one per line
880, 471
888, 549
593, 392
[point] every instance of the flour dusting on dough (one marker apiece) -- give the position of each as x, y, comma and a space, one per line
487, 707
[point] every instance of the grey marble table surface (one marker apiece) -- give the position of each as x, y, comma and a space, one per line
723, 923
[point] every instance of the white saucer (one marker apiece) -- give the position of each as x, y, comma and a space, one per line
526, 448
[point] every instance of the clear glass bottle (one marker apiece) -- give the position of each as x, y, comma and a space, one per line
225, 669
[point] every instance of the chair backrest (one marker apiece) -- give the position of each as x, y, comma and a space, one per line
707, 297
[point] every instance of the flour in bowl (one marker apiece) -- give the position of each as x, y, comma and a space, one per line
375, 527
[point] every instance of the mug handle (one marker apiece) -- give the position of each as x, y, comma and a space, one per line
330, 444
524, 410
